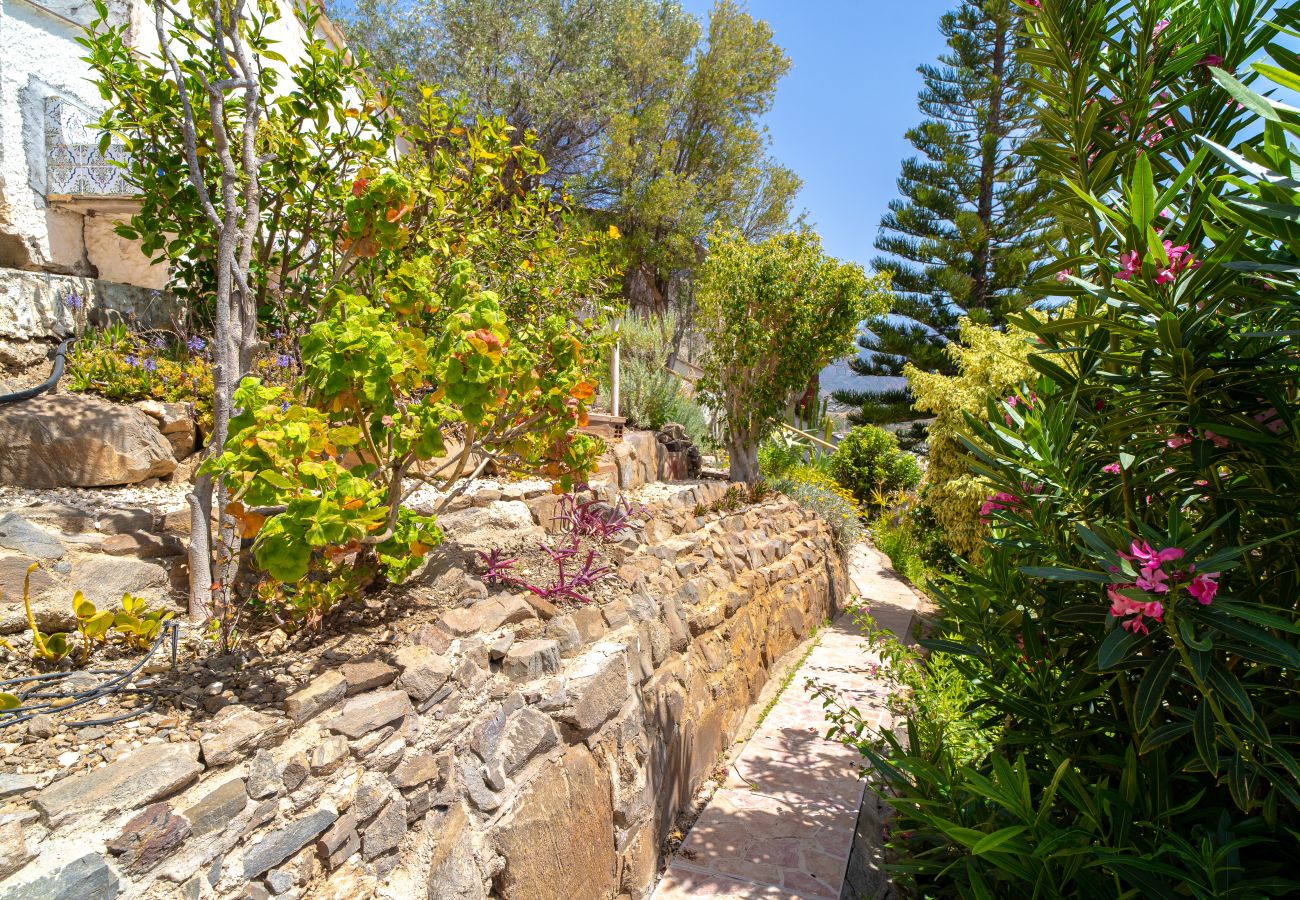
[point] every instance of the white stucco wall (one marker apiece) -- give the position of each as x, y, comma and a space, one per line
40, 59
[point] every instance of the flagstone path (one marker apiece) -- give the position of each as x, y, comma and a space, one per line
782, 825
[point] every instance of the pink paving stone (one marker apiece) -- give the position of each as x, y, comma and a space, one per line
782, 825
684, 882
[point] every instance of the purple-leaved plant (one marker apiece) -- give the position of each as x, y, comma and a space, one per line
593, 518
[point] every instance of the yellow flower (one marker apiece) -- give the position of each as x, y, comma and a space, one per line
613, 232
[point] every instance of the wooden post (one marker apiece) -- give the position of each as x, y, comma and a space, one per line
613, 371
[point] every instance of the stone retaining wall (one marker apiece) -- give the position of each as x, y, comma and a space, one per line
512, 749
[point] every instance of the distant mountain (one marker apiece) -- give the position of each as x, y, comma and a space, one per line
838, 376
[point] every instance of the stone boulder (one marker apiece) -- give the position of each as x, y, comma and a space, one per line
75, 440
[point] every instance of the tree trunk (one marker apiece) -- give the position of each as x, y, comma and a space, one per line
743, 450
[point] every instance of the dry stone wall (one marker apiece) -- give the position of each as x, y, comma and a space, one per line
511, 749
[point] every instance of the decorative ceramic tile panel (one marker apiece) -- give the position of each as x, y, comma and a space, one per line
73, 163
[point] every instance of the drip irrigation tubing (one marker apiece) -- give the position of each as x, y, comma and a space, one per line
48, 384
45, 690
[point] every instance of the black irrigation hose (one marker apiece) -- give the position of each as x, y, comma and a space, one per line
50, 699
46, 385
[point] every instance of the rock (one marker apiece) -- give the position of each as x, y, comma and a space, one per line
217, 807
544, 608
148, 774
85, 878
387, 829
324, 691
367, 675
598, 686
483, 797
615, 615
529, 733
503, 524
125, 520
172, 418
423, 672
141, 545
105, 579
431, 636
453, 871
564, 632
328, 755
77, 440
279, 881
372, 792
150, 837
338, 844
263, 776
590, 624
417, 769
487, 615
497, 649
13, 570
577, 793
283, 843
61, 516
295, 772
531, 659
16, 533
362, 715
41, 726
237, 729
13, 849
12, 784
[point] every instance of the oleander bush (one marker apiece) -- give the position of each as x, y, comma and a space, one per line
1132, 627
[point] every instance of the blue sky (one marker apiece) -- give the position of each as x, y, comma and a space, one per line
841, 111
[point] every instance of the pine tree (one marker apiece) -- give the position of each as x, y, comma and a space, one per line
962, 239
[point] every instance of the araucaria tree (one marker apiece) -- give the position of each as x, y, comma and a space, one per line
963, 238
774, 313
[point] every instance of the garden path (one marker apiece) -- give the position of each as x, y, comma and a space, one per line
783, 823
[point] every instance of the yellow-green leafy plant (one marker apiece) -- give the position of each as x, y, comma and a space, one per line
93, 625
991, 363
49, 647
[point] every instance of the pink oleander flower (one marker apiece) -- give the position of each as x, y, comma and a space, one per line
1152, 579
1180, 260
1177, 440
1133, 611
1215, 439
1000, 500
1111, 468
1129, 264
1211, 59
1036, 4
1269, 419
1159, 29
1203, 587
1064, 275
1141, 551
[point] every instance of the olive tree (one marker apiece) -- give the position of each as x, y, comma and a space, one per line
774, 313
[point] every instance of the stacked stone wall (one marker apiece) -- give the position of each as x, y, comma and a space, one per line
511, 749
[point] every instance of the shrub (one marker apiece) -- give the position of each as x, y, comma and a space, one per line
650, 396
817, 491
869, 464
119, 364
1132, 626
991, 363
